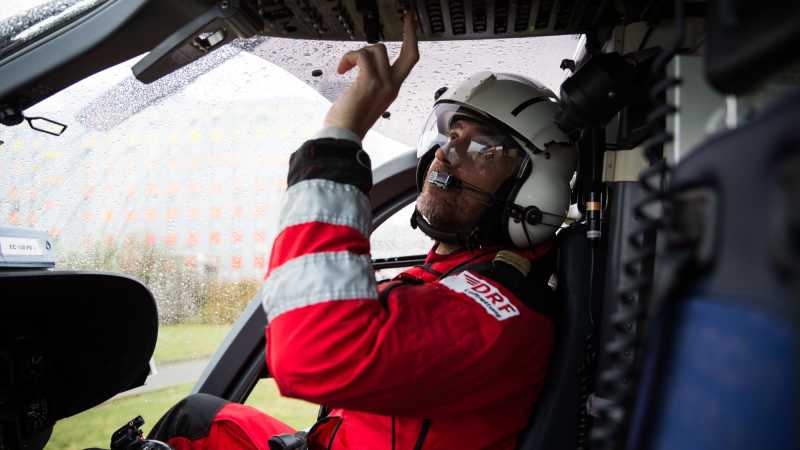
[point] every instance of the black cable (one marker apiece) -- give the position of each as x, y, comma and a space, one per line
646, 37
527, 235
587, 367
423, 433
617, 380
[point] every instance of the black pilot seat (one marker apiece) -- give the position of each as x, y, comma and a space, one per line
68, 341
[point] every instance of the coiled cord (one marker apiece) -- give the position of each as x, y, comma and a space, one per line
617, 380
586, 371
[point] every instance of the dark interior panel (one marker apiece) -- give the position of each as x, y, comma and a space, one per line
439, 19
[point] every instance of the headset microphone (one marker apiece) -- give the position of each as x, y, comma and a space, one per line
446, 181
443, 180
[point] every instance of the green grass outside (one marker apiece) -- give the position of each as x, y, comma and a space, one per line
93, 428
188, 341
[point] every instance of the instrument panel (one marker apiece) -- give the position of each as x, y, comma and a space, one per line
374, 20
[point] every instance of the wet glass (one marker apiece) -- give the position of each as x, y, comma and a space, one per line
23, 21
14, 8
178, 184
442, 64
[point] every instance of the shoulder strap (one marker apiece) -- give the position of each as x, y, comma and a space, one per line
428, 268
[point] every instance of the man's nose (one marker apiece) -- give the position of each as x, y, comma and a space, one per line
448, 153
442, 153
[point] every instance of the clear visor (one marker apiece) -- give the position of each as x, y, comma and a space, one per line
464, 133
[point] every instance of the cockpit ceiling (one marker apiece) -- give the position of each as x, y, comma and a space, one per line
439, 19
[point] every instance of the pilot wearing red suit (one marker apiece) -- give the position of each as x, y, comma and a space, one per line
451, 354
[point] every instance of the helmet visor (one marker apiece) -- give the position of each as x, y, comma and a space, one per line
464, 133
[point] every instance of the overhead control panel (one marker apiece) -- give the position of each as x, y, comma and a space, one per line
364, 20
473, 19
439, 19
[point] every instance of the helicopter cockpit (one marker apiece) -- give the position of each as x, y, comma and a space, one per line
678, 320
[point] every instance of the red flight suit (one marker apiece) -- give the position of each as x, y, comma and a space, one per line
445, 356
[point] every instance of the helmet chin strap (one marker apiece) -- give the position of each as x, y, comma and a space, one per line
446, 181
476, 236
463, 238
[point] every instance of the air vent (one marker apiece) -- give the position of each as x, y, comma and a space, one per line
543, 16
268, 3
563, 14
478, 16
435, 17
277, 14
500, 16
523, 15
458, 19
273, 10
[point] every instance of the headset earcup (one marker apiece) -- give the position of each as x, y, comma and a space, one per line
549, 192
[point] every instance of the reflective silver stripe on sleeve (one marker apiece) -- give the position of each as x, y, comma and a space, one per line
317, 278
328, 202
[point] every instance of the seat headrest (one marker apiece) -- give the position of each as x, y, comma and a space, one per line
71, 340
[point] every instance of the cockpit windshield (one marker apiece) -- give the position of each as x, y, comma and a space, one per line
179, 182
23, 21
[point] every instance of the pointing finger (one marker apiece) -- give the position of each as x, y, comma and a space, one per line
409, 52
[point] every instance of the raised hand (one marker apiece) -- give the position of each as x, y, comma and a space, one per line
377, 83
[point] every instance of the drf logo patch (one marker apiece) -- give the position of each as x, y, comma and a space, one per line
486, 295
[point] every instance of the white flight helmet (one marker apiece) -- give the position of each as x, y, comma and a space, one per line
536, 201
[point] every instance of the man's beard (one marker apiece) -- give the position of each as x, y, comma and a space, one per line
443, 210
